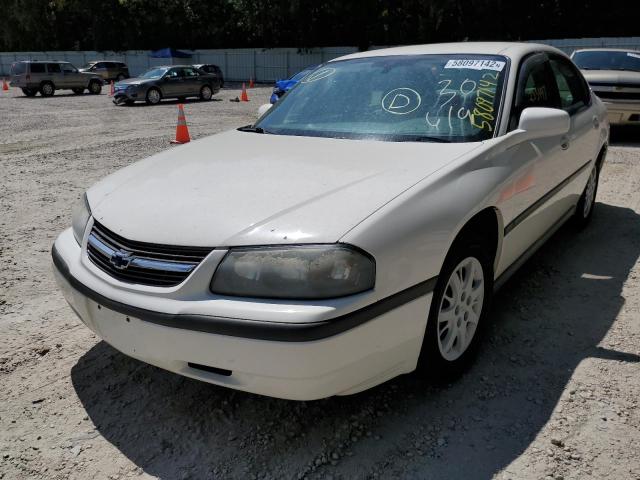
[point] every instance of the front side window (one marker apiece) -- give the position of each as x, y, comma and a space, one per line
571, 88
449, 98
535, 88
174, 73
607, 60
154, 73
68, 68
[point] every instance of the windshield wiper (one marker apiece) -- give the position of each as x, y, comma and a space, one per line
252, 129
422, 138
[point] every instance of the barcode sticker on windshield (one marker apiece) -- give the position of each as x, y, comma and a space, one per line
476, 64
634, 55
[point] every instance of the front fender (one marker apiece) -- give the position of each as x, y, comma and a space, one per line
411, 235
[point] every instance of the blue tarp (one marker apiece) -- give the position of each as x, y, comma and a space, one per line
169, 53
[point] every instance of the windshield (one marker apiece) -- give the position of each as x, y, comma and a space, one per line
89, 65
449, 98
300, 75
154, 73
607, 60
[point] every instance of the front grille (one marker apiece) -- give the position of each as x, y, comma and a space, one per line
618, 95
139, 262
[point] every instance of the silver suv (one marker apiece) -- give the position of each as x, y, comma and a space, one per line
48, 76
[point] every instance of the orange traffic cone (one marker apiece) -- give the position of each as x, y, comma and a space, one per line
244, 97
250, 82
5, 85
182, 132
112, 89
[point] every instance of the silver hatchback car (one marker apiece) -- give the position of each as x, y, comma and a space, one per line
48, 76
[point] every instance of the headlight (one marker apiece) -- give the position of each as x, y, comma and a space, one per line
80, 218
294, 272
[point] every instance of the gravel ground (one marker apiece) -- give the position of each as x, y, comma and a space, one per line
554, 394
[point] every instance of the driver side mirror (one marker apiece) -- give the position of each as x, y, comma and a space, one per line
539, 122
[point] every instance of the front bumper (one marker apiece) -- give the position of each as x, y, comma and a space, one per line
623, 112
293, 359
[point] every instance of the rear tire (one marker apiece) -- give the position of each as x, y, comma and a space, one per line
95, 88
206, 93
153, 96
47, 89
584, 209
458, 309
78, 91
29, 92
120, 77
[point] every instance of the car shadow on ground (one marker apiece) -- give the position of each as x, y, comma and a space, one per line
625, 135
547, 319
170, 101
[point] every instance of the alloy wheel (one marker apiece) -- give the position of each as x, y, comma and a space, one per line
460, 308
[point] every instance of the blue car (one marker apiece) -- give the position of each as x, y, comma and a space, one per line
283, 86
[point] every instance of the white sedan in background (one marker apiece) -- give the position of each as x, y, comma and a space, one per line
354, 233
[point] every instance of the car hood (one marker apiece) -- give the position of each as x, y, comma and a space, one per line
241, 188
612, 76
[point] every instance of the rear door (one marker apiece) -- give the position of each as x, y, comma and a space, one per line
575, 99
54, 73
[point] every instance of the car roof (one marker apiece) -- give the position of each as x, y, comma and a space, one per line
171, 66
631, 50
512, 50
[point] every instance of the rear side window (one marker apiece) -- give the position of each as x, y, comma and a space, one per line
53, 67
37, 68
18, 68
571, 87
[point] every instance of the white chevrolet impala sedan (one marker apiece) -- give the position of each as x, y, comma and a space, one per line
354, 233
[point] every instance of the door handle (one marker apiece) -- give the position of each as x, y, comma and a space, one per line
596, 122
565, 143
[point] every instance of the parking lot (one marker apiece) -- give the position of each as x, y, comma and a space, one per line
554, 394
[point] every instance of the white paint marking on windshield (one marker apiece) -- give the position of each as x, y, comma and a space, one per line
319, 75
401, 101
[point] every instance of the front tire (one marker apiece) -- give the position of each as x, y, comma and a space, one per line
459, 306
47, 89
584, 209
153, 96
206, 93
120, 77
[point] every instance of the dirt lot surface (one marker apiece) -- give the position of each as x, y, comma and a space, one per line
554, 394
